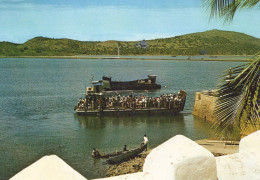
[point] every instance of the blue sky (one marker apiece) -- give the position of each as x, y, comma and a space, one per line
100, 20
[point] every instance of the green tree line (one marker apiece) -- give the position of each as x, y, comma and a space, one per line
214, 42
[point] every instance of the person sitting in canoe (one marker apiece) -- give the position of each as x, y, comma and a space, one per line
95, 153
125, 150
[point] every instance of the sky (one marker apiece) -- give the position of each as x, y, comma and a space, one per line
125, 20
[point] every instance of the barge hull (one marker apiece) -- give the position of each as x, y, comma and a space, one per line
127, 111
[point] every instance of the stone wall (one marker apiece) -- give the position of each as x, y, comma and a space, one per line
204, 105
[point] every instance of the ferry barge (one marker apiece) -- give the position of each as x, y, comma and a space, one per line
99, 104
106, 84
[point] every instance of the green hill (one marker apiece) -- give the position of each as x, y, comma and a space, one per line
214, 42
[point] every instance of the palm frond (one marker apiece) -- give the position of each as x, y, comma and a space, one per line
226, 9
238, 100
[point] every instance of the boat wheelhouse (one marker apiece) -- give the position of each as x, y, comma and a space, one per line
106, 84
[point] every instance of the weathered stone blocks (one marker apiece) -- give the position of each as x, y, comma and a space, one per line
243, 165
49, 168
251, 143
239, 166
180, 158
134, 176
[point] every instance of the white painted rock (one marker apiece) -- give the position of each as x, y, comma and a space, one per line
239, 166
49, 168
182, 159
134, 176
251, 143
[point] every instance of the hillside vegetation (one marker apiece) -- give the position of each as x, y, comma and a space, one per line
214, 42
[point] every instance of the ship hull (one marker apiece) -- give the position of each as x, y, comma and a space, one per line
112, 112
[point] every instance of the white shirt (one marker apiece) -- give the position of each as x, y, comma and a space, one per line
145, 140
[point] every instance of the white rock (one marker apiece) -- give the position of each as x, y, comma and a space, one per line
243, 165
48, 168
180, 158
134, 176
251, 143
239, 166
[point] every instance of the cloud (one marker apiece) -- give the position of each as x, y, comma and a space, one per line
12, 1
14, 4
25, 21
26, 6
136, 4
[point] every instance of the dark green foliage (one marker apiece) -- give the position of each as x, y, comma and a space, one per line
214, 42
226, 9
237, 107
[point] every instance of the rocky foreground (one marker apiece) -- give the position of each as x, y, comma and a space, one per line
217, 148
131, 166
177, 158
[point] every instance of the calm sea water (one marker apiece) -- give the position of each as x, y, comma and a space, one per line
37, 97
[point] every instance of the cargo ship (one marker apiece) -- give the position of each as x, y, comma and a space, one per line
106, 84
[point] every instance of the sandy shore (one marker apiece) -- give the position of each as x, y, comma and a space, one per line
216, 147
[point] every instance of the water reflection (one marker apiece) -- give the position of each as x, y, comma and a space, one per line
110, 133
202, 127
100, 122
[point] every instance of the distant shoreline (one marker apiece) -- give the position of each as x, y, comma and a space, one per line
192, 58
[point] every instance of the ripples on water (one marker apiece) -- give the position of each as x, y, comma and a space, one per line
37, 97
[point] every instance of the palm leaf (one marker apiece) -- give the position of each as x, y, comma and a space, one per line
238, 99
227, 8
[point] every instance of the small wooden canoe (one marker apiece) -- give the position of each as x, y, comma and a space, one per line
127, 155
108, 155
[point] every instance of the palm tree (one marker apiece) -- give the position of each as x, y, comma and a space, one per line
227, 8
238, 93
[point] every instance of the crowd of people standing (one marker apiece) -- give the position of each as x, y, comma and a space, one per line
101, 102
